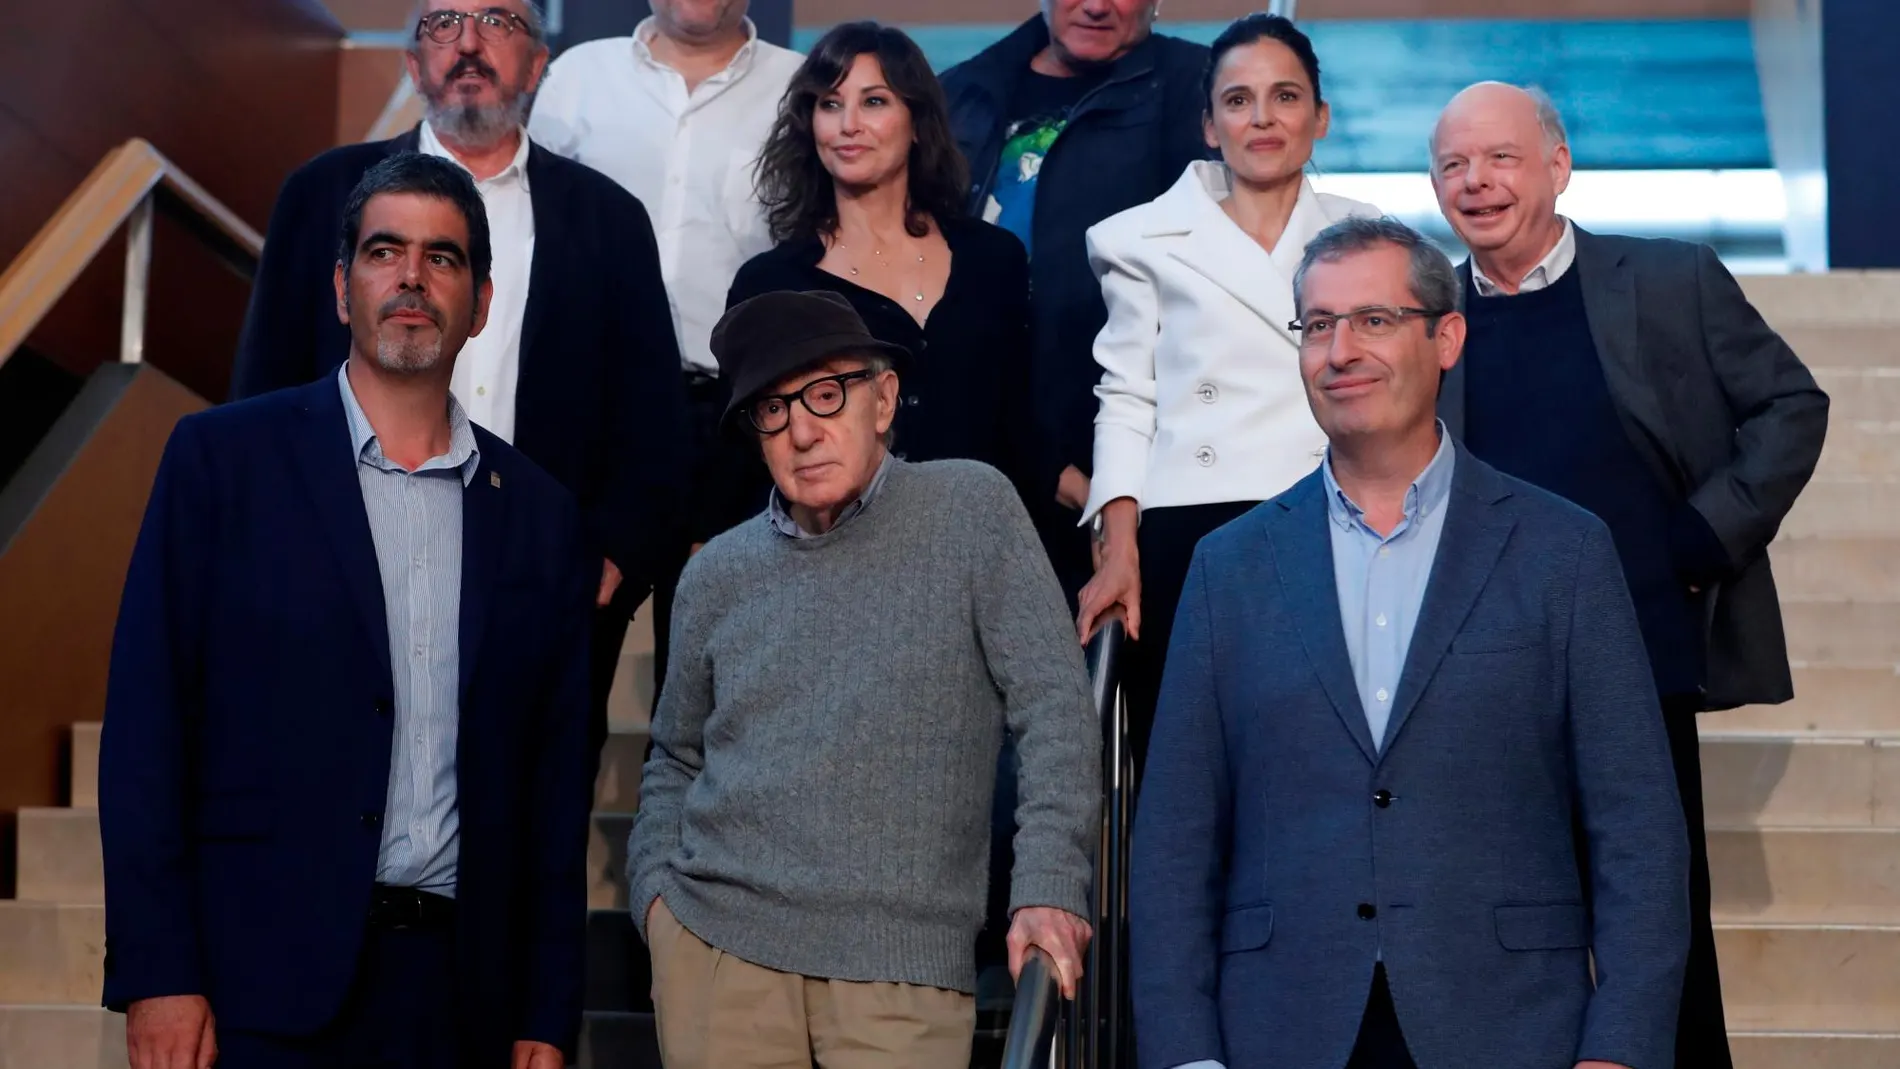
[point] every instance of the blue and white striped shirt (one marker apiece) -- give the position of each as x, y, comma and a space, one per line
415, 519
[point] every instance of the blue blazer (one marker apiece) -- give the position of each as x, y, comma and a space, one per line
245, 761
600, 404
1278, 854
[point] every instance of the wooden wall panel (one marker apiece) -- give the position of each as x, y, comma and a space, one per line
237, 92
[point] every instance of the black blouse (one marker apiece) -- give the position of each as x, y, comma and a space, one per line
965, 393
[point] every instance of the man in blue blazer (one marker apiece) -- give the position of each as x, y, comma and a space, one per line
343, 783
580, 366
1406, 720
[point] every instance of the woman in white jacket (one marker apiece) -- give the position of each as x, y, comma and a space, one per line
1203, 414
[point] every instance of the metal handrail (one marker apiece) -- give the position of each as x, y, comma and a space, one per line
128, 186
1032, 1021
1098, 1027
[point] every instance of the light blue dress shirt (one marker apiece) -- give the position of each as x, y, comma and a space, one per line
780, 514
415, 519
1381, 581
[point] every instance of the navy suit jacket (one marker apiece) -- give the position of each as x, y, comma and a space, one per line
1278, 854
245, 762
600, 404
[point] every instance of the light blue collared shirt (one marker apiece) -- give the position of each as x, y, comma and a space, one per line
415, 519
781, 516
1381, 579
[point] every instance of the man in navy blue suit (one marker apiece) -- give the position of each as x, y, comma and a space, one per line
1407, 719
343, 783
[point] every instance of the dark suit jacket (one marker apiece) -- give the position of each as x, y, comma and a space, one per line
599, 404
245, 763
1277, 853
1725, 414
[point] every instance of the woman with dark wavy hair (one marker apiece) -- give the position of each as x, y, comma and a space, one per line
864, 189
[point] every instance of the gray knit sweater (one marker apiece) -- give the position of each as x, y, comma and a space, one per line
824, 752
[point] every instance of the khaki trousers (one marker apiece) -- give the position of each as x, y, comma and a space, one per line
716, 1011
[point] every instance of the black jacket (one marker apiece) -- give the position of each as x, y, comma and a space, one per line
1127, 141
965, 391
1725, 414
599, 404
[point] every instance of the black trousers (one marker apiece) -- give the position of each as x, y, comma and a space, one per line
400, 1014
1380, 1044
1166, 539
1701, 1030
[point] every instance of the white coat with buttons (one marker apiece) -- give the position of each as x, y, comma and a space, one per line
1201, 400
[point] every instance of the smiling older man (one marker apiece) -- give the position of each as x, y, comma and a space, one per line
808, 863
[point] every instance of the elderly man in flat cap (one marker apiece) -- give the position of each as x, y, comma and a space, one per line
809, 861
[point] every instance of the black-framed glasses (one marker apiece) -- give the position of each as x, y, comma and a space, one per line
823, 398
493, 24
1376, 321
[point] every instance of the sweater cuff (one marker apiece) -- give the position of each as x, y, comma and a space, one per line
1695, 549
1054, 892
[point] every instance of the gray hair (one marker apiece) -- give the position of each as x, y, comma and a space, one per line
1548, 119
1432, 279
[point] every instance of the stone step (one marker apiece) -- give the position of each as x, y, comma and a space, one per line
617, 789
630, 702
85, 766
1833, 298
1801, 978
61, 1037
1842, 633
51, 954
1761, 781
1845, 506
1837, 569
1806, 875
1815, 1050
1834, 701
1861, 447
59, 857
1861, 393
1832, 348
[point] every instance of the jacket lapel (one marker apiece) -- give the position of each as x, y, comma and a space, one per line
322, 449
550, 235
484, 514
1303, 555
1218, 250
1609, 302
1468, 549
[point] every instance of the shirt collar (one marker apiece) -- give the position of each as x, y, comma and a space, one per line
1546, 273
1427, 494
463, 453
517, 169
781, 516
649, 28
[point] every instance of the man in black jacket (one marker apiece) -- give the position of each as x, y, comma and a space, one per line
1081, 112
579, 366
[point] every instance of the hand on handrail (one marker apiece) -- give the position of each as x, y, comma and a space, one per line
1061, 934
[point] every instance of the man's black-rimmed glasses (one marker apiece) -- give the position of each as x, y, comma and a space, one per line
823, 398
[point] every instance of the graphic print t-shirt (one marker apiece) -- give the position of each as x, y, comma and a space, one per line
1040, 113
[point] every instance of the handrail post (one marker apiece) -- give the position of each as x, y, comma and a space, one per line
138, 278
1282, 7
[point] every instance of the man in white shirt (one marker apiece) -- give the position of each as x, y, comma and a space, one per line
677, 114
578, 365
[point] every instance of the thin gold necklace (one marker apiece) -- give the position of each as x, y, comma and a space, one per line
882, 263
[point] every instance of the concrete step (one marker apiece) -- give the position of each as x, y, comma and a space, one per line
1789, 978
1842, 633
51, 954
1806, 875
1814, 1050
1836, 701
607, 860
61, 1037
85, 766
1861, 447
1837, 569
1861, 393
59, 857
1760, 781
1832, 347
617, 789
1828, 299
630, 702
1845, 506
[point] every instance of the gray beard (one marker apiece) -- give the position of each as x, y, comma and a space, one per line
407, 356
477, 126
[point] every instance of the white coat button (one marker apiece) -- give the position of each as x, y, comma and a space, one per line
1207, 392
1205, 455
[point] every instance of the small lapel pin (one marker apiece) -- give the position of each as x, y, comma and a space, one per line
494, 479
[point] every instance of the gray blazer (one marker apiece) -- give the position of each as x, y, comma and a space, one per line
1278, 853
1723, 411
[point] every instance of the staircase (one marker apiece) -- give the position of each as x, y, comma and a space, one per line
1803, 799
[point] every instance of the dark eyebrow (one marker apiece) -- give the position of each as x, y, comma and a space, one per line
381, 237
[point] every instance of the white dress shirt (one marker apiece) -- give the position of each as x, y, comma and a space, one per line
1201, 397
1545, 274
688, 156
490, 363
